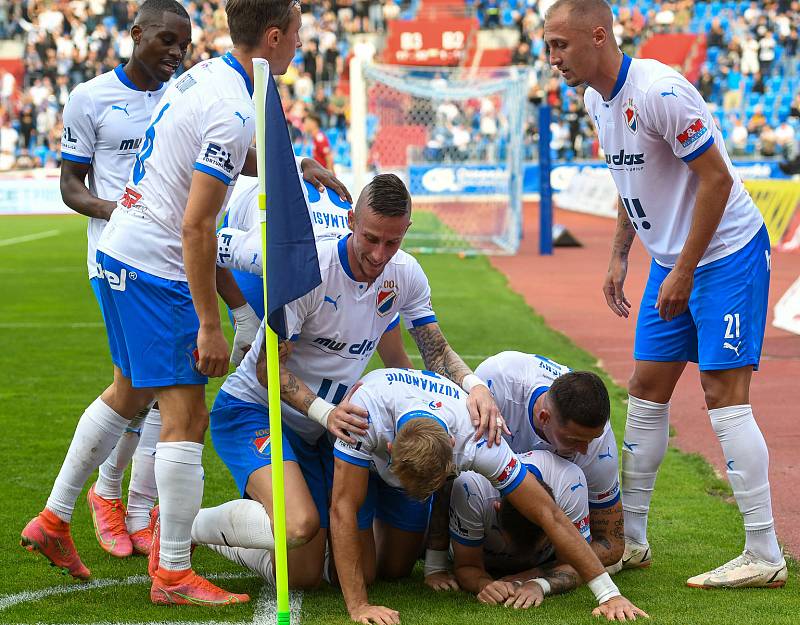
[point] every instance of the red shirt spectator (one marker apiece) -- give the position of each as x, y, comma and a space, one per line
322, 152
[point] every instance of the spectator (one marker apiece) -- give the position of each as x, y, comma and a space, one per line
758, 85
750, 62
757, 121
706, 84
766, 52
716, 35
739, 136
785, 139
321, 151
734, 86
768, 141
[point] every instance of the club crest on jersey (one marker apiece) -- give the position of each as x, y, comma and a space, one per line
261, 443
506, 473
696, 130
385, 300
631, 114
435, 405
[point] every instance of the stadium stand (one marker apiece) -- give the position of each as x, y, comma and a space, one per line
742, 55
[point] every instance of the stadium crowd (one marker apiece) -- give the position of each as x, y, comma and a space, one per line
750, 76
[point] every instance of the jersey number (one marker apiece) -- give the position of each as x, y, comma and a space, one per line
634, 205
325, 388
147, 148
733, 326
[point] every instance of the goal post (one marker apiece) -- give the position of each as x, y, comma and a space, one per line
455, 137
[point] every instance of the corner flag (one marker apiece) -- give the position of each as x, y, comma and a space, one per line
293, 267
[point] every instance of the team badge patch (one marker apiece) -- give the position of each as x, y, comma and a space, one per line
507, 473
631, 114
261, 444
696, 130
385, 300
435, 405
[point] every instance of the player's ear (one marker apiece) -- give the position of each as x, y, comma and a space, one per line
389, 448
453, 440
599, 36
136, 33
273, 36
351, 218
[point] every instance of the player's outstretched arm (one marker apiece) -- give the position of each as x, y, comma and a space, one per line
437, 573
349, 491
471, 574
618, 266
199, 242
440, 358
76, 194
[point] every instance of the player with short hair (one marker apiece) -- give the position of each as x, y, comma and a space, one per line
419, 432
158, 254
322, 152
706, 295
489, 536
104, 121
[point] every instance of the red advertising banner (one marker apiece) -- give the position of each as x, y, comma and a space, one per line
429, 42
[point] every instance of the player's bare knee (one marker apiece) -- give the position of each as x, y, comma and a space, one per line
302, 527
306, 578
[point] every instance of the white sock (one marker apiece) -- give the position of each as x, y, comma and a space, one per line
747, 458
237, 523
179, 476
142, 491
257, 560
109, 480
643, 449
97, 431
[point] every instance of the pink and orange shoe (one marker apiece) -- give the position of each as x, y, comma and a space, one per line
108, 518
50, 536
141, 541
155, 544
187, 588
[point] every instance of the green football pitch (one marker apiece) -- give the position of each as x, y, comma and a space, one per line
54, 360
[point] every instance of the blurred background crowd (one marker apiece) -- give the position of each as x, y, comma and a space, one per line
749, 76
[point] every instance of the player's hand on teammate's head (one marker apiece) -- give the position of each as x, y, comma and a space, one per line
377, 614
348, 417
486, 415
320, 177
213, 352
528, 595
619, 609
613, 287
442, 580
496, 592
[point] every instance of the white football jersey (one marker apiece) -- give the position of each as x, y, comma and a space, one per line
517, 380
394, 396
474, 519
104, 123
204, 122
653, 125
336, 327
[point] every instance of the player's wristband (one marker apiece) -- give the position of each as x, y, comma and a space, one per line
543, 584
319, 411
471, 381
603, 588
435, 561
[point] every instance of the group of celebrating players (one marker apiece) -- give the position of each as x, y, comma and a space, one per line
506, 478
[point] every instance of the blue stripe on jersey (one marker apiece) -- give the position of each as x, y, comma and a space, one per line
699, 151
419, 414
119, 70
423, 321
534, 396
465, 541
234, 63
395, 322
514, 485
76, 159
359, 462
342, 247
535, 470
213, 172
621, 77
604, 504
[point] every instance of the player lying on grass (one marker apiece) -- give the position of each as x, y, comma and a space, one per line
419, 432
490, 537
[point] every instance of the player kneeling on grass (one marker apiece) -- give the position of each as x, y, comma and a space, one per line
491, 537
419, 432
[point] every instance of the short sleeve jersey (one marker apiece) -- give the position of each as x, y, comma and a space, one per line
335, 329
654, 124
205, 122
474, 520
392, 397
517, 380
104, 123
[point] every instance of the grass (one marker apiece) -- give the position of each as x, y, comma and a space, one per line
55, 361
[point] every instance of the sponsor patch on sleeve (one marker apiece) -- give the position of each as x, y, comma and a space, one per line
584, 529
693, 133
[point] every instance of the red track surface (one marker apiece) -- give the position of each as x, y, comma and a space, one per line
566, 290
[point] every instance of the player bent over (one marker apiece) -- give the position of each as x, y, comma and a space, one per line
419, 433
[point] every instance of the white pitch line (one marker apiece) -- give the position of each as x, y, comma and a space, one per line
267, 607
30, 237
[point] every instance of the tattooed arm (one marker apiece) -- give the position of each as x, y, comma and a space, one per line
618, 267
440, 358
608, 534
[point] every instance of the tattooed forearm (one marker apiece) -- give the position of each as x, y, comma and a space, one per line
608, 540
437, 354
438, 534
561, 577
625, 233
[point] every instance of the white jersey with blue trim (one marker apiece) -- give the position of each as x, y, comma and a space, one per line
104, 123
392, 397
653, 125
335, 329
517, 380
474, 519
204, 122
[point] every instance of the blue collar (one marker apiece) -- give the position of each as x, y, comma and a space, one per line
342, 245
231, 60
532, 468
621, 77
534, 396
419, 414
123, 78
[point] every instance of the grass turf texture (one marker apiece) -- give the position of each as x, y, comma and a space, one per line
55, 361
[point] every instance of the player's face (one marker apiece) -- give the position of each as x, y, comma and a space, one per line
161, 45
568, 437
285, 44
375, 240
572, 48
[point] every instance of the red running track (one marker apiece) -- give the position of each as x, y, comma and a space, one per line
554, 285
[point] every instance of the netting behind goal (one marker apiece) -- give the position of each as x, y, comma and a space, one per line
455, 137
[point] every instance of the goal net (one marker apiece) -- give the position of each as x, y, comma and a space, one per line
454, 135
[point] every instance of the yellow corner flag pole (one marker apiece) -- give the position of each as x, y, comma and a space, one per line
261, 74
